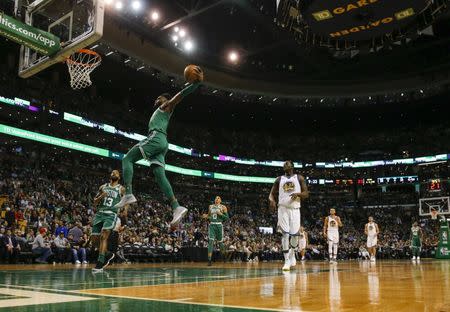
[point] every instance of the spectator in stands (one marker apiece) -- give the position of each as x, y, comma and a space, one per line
41, 247
10, 217
76, 232
63, 250
12, 247
2, 244
78, 251
61, 229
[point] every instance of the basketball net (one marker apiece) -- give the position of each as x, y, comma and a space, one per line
434, 214
81, 64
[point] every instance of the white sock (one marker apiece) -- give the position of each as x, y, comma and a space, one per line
335, 249
330, 249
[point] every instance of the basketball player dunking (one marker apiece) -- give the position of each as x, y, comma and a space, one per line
291, 189
371, 230
331, 227
154, 149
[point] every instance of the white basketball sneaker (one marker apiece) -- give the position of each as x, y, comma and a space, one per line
178, 214
292, 260
287, 265
372, 259
413, 258
126, 200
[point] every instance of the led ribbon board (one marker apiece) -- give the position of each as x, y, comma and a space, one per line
359, 19
47, 139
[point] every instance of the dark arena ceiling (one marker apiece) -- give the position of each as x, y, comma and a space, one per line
363, 47
310, 50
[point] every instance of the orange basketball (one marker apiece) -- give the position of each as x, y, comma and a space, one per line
193, 73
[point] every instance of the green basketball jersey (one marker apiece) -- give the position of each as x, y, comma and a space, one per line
213, 215
415, 237
159, 121
111, 199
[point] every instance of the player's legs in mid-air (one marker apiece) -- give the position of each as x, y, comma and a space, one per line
153, 149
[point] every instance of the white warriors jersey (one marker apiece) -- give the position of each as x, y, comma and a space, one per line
289, 186
333, 227
371, 229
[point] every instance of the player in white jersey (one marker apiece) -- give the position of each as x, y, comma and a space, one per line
291, 189
371, 230
303, 242
331, 227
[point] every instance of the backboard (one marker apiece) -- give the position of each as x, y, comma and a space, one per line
439, 204
77, 23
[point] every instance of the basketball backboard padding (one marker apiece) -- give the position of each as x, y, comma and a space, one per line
78, 24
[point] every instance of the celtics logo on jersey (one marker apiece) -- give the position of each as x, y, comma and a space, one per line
288, 187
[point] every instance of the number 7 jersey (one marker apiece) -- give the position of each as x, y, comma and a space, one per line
113, 196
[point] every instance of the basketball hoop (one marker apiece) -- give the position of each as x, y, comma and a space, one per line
81, 64
434, 214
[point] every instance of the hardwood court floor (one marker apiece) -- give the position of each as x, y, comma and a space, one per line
313, 286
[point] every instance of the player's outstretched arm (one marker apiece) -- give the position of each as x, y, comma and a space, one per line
170, 105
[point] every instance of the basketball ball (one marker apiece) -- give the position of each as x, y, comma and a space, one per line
193, 73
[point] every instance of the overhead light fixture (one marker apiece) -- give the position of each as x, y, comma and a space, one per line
108, 2
176, 29
188, 45
182, 33
119, 5
155, 15
136, 5
109, 53
126, 61
233, 56
95, 46
142, 67
175, 38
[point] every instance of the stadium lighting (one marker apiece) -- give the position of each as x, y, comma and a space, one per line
175, 38
109, 53
176, 29
233, 56
136, 5
119, 5
188, 46
182, 33
155, 16
108, 2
